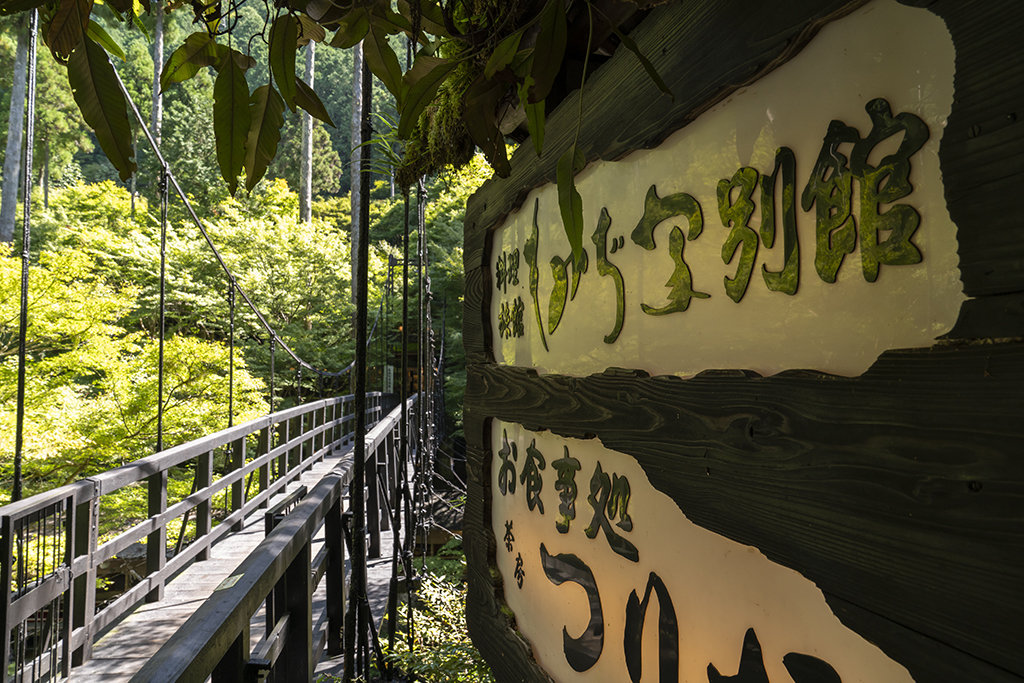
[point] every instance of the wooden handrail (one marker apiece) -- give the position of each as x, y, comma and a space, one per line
64, 521
215, 639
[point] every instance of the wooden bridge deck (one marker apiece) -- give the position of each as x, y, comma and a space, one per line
129, 643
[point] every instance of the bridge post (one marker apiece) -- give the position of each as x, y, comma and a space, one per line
6, 578
231, 667
372, 503
295, 452
237, 461
204, 511
86, 521
264, 472
334, 539
156, 542
297, 655
282, 459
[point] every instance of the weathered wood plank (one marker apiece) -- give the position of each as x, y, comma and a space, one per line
886, 490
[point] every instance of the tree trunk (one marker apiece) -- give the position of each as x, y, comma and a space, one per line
157, 118
15, 124
306, 162
357, 117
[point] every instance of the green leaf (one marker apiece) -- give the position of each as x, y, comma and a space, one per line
67, 28
423, 80
267, 111
284, 36
383, 62
570, 204
503, 54
231, 121
309, 30
534, 116
102, 103
97, 33
14, 6
651, 71
478, 113
549, 49
244, 61
307, 98
351, 30
198, 50
431, 17
389, 20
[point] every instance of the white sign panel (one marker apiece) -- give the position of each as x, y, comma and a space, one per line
801, 223
609, 581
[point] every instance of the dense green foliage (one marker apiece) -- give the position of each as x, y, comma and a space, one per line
441, 650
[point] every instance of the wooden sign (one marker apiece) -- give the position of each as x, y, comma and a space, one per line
801, 223
769, 428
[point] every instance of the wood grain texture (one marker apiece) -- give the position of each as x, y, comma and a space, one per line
900, 492
886, 490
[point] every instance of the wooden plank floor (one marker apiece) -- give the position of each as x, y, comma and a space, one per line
123, 649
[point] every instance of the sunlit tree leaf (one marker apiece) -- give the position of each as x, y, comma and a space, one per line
267, 115
570, 204
199, 50
351, 30
423, 80
383, 61
284, 36
231, 121
309, 30
67, 27
102, 103
97, 33
307, 98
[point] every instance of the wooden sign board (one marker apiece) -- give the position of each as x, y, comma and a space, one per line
808, 262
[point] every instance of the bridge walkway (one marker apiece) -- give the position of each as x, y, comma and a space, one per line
130, 642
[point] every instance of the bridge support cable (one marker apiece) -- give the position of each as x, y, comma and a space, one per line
356, 639
231, 357
167, 174
30, 116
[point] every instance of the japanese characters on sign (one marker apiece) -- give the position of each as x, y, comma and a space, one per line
828, 191
799, 224
720, 605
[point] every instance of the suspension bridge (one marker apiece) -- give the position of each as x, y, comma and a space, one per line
287, 510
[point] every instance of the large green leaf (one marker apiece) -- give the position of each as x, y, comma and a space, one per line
307, 98
244, 62
549, 50
503, 54
15, 6
534, 116
431, 17
284, 37
351, 29
102, 103
67, 27
478, 112
231, 121
423, 80
570, 204
383, 61
267, 110
309, 30
198, 50
97, 33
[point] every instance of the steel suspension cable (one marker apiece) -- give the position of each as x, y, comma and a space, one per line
30, 129
202, 229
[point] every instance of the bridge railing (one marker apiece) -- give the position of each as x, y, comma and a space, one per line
284, 572
50, 548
